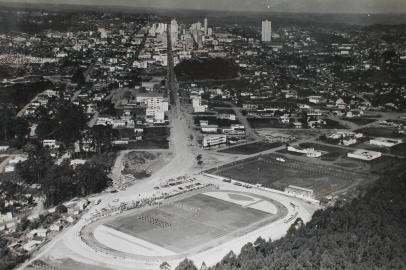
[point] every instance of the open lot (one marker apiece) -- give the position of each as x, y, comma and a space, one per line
399, 149
250, 148
187, 223
269, 172
360, 120
380, 132
266, 123
152, 138
140, 164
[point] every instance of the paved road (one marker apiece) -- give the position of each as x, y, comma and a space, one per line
171, 81
244, 121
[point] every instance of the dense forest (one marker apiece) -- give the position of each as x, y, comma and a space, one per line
208, 68
65, 125
21, 93
13, 130
366, 233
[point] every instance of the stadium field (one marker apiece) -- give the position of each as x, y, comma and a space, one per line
187, 223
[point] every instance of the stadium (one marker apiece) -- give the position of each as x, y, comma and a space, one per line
198, 225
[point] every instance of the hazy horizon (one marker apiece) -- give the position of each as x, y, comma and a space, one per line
301, 6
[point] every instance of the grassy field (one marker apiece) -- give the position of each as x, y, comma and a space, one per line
251, 148
399, 149
266, 123
360, 121
380, 132
330, 124
274, 174
187, 223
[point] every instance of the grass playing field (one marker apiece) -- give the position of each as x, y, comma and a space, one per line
187, 223
274, 174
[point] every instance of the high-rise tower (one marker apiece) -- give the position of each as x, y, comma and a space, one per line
266, 34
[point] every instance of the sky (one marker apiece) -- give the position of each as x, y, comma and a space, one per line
318, 6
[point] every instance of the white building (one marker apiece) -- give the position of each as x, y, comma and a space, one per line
174, 32
214, 140
50, 144
364, 154
315, 99
266, 33
387, 142
228, 116
197, 105
155, 115
6, 218
309, 152
299, 191
209, 128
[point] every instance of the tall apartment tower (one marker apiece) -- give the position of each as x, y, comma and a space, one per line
174, 32
266, 31
205, 26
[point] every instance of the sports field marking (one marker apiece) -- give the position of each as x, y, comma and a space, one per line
265, 206
128, 243
242, 200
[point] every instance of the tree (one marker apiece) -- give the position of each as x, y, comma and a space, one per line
36, 166
13, 129
65, 125
199, 160
186, 264
71, 121
61, 209
102, 136
78, 77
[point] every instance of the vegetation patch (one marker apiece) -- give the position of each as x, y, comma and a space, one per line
142, 164
251, 148
207, 68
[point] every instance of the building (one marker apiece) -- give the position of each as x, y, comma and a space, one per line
364, 154
266, 34
50, 144
31, 244
155, 115
315, 99
6, 217
309, 152
227, 116
387, 142
210, 128
278, 137
299, 192
205, 26
197, 105
174, 32
214, 140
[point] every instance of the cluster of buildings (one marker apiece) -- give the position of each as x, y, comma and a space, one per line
25, 240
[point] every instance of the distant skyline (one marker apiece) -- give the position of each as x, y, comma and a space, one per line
305, 6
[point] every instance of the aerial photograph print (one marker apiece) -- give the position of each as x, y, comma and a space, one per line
203, 135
